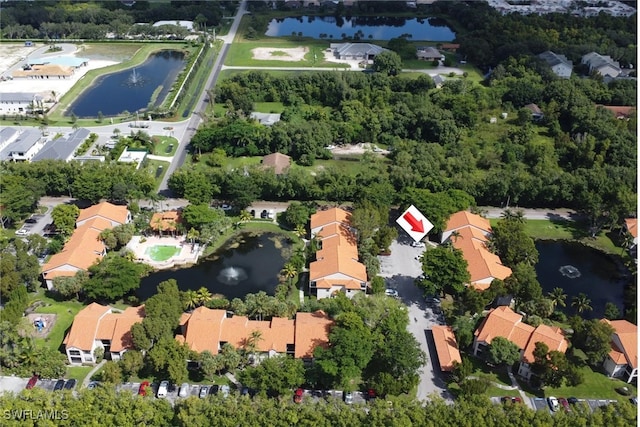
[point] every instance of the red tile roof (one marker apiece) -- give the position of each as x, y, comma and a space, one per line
504, 322
330, 216
205, 329
627, 333
632, 226
85, 326
105, 210
464, 219
446, 347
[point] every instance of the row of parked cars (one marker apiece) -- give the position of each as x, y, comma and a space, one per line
185, 390
61, 384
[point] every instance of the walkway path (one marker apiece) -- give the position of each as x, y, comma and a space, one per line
514, 386
87, 379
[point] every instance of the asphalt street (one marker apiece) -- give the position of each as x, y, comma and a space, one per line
400, 269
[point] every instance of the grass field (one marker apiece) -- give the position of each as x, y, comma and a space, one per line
65, 312
240, 54
79, 373
268, 107
152, 167
569, 230
595, 386
161, 147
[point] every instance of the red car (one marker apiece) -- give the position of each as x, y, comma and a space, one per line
297, 396
32, 382
511, 399
564, 403
142, 391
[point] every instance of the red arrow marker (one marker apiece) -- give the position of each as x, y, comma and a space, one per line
414, 223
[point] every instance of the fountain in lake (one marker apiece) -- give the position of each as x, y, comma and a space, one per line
570, 271
231, 275
134, 79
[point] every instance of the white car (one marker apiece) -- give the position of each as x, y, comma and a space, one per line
22, 232
226, 207
184, 390
225, 390
553, 403
418, 245
163, 389
348, 397
391, 293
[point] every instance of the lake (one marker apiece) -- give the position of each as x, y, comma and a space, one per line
248, 263
368, 28
599, 276
130, 89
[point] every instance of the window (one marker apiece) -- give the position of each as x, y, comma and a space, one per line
76, 360
74, 352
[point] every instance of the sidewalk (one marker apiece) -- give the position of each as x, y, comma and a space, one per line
95, 369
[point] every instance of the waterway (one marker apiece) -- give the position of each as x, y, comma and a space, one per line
130, 89
365, 28
597, 275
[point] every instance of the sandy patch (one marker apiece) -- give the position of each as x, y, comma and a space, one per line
11, 54
48, 321
295, 54
357, 149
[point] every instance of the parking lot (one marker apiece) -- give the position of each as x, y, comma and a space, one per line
540, 404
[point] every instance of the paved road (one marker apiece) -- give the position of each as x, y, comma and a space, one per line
195, 120
400, 270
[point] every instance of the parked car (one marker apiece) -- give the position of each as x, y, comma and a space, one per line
93, 384
70, 384
634, 400
32, 382
572, 400
391, 293
244, 391
432, 300
184, 390
59, 385
214, 389
565, 404
30, 220
297, 395
371, 394
163, 388
511, 399
226, 207
553, 403
348, 397
22, 232
225, 390
418, 244
204, 391
142, 390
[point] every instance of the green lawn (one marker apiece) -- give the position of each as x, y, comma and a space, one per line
570, 230
595, 386
152, 167
162, 252
161, 145
65, 311
78, 372
240, 54
268, 107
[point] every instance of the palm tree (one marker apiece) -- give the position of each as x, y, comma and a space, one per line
300, 231
289, 272
513, 215
581, 303
557, 297
192, 235
245, 216
455, 235
251, 344
203, 296
159, 225
190, 299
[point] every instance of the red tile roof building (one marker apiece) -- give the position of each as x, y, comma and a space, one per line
504, 322
101, 326
84, 248
336, 268
469, 233
207, 329
622, 360
446, 347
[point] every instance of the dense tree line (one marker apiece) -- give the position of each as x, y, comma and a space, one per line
108, 407
55, 20
578, 156
22, 183
486, 37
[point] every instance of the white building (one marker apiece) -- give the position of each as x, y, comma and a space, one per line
602, 64
559, 64
622, 360
23, 147
20, 103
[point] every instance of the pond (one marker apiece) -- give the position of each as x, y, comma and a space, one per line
248, 263
130, 89
367, 28
577, 268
